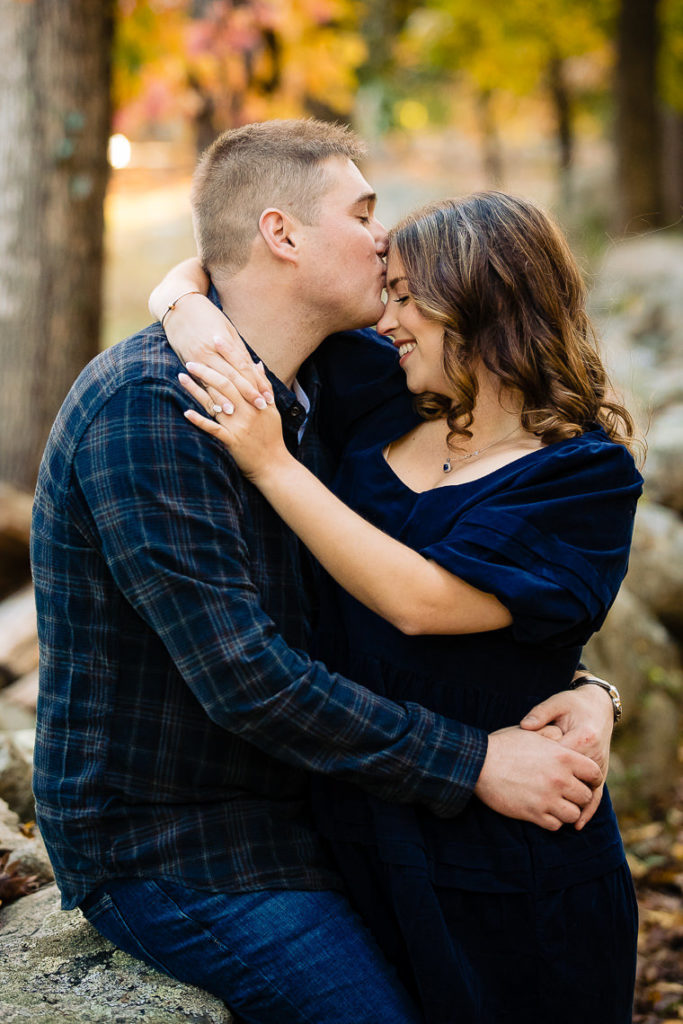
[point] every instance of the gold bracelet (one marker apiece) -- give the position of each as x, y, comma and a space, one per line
172, 305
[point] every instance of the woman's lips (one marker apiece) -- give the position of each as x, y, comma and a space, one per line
404, 349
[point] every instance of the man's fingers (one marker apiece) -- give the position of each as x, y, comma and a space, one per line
590, 808
578, 792
543, 713
551, 732
550, 822
566, 811
584, 768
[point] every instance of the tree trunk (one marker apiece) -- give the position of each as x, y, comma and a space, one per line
638, 134
564, 126
492, 150
672, 165
54, 124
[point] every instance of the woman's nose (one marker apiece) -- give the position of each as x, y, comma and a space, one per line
387, 322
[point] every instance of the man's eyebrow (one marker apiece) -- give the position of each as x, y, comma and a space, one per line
366, 197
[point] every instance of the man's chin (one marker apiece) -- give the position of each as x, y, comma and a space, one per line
367, 319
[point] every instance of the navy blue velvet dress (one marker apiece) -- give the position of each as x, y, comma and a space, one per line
489, 919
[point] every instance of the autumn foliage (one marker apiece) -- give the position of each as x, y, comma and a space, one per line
223, 63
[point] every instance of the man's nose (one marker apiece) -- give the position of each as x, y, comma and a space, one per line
381, 236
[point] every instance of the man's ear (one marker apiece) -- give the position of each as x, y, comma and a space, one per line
280, 232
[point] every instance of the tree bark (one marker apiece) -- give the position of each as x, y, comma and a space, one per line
672, 164
492, 151
54, 125
637, 125
564, 124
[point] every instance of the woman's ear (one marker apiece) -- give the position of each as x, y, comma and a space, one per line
280, 232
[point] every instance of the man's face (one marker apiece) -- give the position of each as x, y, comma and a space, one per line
342, 254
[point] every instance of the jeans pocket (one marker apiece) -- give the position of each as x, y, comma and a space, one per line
93, 911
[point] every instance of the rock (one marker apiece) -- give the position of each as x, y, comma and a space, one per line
13, 717
8, 818
25, 740
30, 858
56, 969
18, 635
15, 527
637, 301
16, 771
656, 565
27, 853
635, 651
664, 466
22, 693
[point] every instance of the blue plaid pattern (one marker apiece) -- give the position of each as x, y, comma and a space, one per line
178, 713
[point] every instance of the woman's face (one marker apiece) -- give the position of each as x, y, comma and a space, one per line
418, 339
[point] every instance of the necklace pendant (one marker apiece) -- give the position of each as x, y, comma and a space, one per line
447, 466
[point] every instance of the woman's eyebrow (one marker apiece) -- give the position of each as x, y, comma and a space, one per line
396, 280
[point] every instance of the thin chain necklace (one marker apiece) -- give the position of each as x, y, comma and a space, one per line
448, 464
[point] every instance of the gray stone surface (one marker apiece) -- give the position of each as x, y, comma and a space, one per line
56, 969
635, 650
656, 566
664, 466
16, 771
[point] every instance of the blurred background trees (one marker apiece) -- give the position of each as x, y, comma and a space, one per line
502, 75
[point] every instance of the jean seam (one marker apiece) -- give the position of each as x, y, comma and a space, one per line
98, 908
305, 1019
136, 940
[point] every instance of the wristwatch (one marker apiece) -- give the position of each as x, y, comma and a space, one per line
608, 687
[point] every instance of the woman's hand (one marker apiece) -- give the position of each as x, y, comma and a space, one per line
198, 331
252, 433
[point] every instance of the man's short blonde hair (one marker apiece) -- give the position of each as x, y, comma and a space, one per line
248, 169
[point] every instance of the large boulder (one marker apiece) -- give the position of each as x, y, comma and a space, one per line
664, 466
16, 772
56, 969
637, 301
656, 567
23, 852
636, 652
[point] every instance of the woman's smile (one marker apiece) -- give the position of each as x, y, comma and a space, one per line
405, 347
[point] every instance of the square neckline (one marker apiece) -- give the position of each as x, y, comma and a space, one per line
485, 476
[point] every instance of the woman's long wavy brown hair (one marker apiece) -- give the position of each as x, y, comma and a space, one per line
500, 277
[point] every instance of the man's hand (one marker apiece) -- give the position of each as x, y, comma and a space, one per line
585, 717
535, 778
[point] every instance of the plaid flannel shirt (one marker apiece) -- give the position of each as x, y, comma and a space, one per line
178, 713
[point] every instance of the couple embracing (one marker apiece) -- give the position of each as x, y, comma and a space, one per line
279, 751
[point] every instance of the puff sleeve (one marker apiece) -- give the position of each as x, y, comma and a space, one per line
553, 542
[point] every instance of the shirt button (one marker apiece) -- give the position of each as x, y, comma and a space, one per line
295, 411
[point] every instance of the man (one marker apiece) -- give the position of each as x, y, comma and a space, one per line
178, 714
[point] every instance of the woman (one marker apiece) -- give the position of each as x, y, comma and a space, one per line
495, 533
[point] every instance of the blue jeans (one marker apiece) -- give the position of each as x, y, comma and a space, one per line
271, 956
